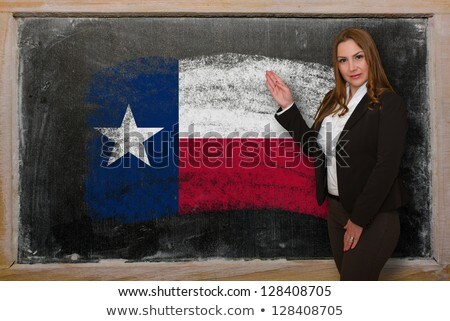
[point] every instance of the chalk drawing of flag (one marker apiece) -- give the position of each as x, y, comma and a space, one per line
197, 135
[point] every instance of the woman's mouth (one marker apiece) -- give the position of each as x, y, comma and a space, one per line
355, 76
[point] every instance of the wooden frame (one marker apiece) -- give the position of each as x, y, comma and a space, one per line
439, 95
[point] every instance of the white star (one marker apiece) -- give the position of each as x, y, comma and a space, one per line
129, 138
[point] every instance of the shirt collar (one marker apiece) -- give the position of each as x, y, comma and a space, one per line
359, 93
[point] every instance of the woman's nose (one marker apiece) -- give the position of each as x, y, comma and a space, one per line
351, 65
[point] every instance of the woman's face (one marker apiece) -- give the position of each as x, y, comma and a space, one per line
352, 64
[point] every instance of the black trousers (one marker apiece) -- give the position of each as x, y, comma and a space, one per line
376, 245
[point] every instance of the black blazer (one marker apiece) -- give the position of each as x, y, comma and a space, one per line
368, 156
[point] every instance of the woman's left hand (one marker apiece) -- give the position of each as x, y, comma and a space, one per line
352, 234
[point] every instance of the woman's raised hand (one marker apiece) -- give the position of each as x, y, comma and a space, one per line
278, 89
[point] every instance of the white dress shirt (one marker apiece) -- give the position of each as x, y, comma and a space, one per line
329, 133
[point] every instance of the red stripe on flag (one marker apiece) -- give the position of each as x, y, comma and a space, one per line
250, 173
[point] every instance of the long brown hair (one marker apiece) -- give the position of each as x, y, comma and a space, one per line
335, 101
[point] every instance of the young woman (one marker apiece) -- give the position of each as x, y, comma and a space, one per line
357, 141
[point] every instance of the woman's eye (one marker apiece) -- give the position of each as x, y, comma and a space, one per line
341, 60
359, 57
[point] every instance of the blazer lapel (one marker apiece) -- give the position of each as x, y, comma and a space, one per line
359, 111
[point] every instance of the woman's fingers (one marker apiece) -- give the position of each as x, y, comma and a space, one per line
278, 79
347, 242
271, 75
280, 83
350, 242
355, 241
275, 81
269, 81
278, 89
271, 86
274, 78
352, 235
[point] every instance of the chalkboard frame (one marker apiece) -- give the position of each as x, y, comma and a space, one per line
438, 70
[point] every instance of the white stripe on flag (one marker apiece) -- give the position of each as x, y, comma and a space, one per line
227, 93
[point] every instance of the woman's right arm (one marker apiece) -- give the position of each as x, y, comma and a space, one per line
290, 118
294, 123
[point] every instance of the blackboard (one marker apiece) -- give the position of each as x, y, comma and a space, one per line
73, 69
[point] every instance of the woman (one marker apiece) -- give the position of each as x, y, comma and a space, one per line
357, 141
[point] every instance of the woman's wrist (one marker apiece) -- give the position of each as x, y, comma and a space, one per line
286, 106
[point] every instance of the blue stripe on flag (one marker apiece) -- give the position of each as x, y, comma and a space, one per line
128, 190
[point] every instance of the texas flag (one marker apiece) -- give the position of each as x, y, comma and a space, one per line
174, 137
